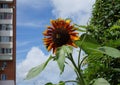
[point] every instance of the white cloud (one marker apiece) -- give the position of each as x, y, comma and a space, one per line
34, 57
78, 10
51, 74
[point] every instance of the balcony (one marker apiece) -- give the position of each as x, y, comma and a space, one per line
6, 10
5, 57
6, 21
6, 45
6, 33
7, 82
7, 0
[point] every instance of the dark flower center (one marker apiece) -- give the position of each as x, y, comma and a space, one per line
60, 37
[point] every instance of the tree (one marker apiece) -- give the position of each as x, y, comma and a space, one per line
105, 22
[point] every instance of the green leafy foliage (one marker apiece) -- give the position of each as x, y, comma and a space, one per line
110, 51
113, 43
61, 54
116, 69
49, 83
60, 83
37, 70
101, 81
88, 43
104, 17
115, 53
105, 22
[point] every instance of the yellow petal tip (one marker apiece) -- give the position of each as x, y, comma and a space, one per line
68, 21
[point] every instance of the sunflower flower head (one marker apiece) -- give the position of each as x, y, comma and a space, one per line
60, 33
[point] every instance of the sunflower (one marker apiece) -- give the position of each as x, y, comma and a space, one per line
60, 33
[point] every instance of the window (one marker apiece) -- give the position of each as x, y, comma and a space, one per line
5, 38
9, 16
9, 27
0, 26
5, 15
3, 5
5, 26
3, 76
2, 50
5, 50
8, 50
1, 15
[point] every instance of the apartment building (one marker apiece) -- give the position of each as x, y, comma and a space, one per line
7, 42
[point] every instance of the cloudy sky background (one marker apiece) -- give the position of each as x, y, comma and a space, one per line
32, 18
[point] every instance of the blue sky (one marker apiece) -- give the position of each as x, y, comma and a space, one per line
32, 18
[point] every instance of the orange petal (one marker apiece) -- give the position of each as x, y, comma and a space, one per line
72, 44
73, 33
59, 19
47, 38
53, 22
50, 47
66, 25
45, 32
74, 37
47, 42
51, 28
70, 27
68, 21
61, 23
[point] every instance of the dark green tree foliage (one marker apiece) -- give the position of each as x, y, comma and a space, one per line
105, 22
105, 14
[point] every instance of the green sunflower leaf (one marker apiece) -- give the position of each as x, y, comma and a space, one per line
49, 83
61, 54
37, 70
61, 83
81, 30
101, 81
81, 26
88, 44
115, 53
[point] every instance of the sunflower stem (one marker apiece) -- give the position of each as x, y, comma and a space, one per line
79, 55
78, 72
79, 60
82, 61
72, 81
